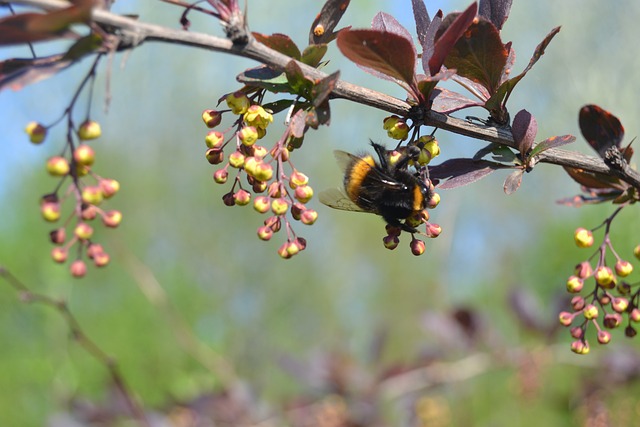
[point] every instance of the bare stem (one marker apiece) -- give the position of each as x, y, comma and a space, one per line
78, 334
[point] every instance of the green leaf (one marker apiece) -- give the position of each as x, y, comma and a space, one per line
313, 54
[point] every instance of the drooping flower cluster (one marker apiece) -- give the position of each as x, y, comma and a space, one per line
611, 302
272, 181
87, 189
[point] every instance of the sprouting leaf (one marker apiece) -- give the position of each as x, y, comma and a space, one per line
552, 142
388, 53
513, 181
280, 43
496, 11
459, 172
328, 18
524, 129
600, 128
448, 37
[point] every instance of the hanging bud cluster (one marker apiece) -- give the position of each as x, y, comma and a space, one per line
87, 192
612, 301
259, 176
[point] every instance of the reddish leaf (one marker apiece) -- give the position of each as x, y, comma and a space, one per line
593, 180
513, 181
479, 55
17, 73
428, 47
446, 101
552, 142
459, 172
322, 89
423, 22
297, 124
448, 37
524, 130
279, 42
600, 128
34, 27
385, 22
426, 84
388, 53
328, 18
499, 99
496, 11
508, 67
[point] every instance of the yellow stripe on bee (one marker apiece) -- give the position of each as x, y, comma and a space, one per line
418, 199
356, 174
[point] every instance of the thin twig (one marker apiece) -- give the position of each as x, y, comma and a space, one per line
141, 31
78, 334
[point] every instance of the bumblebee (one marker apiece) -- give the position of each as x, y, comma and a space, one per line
380, 187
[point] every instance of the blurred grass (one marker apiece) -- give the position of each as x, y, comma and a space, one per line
239, 297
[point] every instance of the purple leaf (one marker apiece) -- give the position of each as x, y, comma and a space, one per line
280, 43
388, 53
387, 23
421, 16
448, 39
298, 125
524, 130
499, 99
428, 46
600, 128
459, 172
513, 181
496, 11
446, 101
480, 55
322, 89
328, 18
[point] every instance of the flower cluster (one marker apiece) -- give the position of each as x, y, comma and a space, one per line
86, 188
611, 298
269, 185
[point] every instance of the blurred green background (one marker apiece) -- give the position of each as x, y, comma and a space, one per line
259, 312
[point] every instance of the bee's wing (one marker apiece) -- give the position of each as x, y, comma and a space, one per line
337, 199
345, 160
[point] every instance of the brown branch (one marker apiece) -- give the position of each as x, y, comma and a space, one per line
137, 32
78, 334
